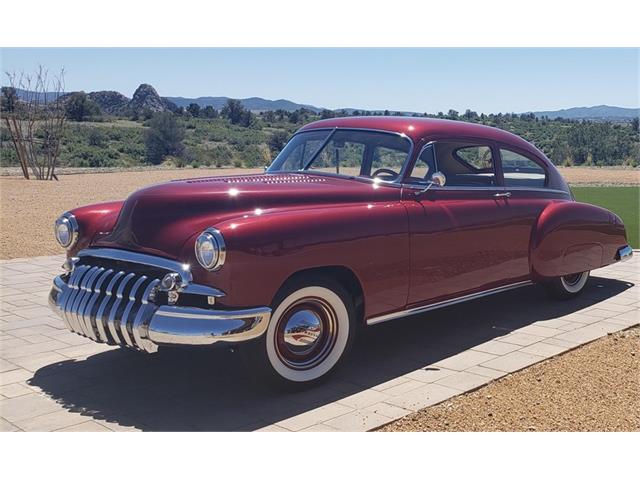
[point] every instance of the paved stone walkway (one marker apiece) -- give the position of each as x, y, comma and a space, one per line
55, 380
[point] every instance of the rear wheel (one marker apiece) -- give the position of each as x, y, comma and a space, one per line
311, 330
568, 286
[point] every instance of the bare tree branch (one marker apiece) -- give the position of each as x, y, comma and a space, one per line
36, 120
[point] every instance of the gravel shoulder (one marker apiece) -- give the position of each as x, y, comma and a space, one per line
593, 388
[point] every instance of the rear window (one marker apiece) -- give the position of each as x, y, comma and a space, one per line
521, 171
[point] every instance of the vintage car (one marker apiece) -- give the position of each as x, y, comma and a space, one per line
357, 221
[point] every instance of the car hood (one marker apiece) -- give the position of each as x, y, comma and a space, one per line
160, 219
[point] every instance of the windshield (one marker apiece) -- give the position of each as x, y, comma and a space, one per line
345, 152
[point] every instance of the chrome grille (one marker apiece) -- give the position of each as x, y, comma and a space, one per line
108, 305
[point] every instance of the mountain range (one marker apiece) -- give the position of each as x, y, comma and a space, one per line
146, 97
599, 112
251, 103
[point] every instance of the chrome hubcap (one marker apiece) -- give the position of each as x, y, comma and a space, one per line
306, 333
302, 331
572, 280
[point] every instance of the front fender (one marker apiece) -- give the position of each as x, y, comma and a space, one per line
94, 221
572, 237
265, 249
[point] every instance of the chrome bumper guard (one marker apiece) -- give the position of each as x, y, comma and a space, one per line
115, 307
624, 254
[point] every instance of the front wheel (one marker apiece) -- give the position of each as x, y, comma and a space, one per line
310, 332
568, 286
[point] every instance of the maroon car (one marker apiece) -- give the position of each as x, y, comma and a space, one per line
357, 221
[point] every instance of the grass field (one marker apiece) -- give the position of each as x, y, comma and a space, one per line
624, 201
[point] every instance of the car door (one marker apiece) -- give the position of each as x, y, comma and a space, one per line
525, 182
463, 236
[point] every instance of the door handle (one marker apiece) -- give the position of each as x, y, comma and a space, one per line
502, 195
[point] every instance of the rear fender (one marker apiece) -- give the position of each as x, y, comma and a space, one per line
572, 237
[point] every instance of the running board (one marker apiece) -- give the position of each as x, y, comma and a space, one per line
445, 303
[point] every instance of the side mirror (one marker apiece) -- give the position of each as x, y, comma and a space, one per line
438, 179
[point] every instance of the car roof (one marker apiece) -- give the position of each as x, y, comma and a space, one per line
419, 128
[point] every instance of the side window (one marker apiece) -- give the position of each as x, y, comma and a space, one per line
520, 171
466, 165
479, 157
384, 157
424, 166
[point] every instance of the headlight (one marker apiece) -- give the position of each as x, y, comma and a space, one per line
210, 249
66, 230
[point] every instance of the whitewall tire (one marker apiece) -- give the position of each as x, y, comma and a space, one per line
568, 286
311, 330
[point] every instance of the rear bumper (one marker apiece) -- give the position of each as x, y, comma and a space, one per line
140, 323
624, 253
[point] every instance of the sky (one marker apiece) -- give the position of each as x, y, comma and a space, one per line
418, 80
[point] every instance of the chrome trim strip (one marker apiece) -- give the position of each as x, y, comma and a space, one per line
133, 257
199, 289
445, 303
198, 326
624, 253
498, 188
203, 314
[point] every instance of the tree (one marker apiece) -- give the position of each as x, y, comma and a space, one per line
324, 114
209, 112
470, 115
9, 99
247, 118
36, 121
277, 142
79, 107
294, 117
233, 111
163, 138
194, 110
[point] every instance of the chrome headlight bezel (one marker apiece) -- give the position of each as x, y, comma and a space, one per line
211, 238
66, 220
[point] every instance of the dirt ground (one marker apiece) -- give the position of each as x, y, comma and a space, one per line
601, 176
593, 388
29, 208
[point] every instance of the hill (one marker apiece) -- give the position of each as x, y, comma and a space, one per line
113, 103
252, 103
599, 112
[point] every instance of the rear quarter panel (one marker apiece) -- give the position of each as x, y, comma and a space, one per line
572, 237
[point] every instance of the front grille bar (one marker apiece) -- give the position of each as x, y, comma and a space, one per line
107, 305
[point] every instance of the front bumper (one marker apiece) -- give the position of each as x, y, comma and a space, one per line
94, 307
